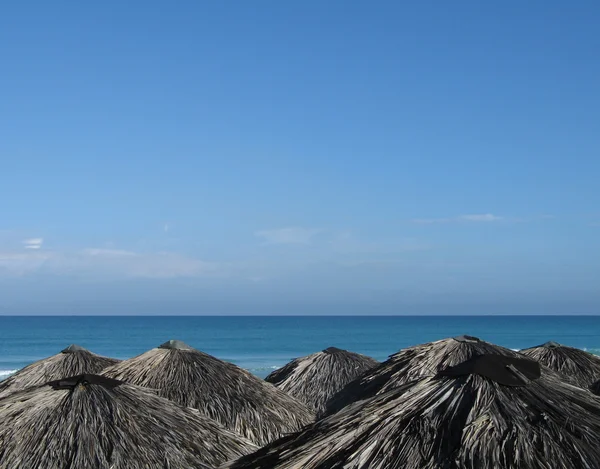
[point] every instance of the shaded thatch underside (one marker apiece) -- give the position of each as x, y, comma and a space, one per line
412, 364
103, 426
467, 422
73, 360
595, 388
314, 379
576, 366
222, 391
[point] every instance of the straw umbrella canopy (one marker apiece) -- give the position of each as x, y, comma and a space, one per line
574, 365
314, 379
490, 412
411, 364
220, 390
93, 422
73, 360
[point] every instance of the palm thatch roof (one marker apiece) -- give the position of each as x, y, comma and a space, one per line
73, 360
94, 422
314, 379
411, 364
220, 390
575, 366
491, 412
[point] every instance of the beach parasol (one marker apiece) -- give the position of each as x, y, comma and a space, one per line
73, 360
489, 412
314, 379
94, 422
220, 390
576, 366
411, 364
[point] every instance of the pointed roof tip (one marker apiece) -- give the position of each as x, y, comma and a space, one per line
333, 350
175, 345
551, 344
84, 380
73, 348
466, 338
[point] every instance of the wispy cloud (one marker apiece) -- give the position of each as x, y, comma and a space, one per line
33, 243
108, 252
166, 227
110, 263
480, 217
291, 235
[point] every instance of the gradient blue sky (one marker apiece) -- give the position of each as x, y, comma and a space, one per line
312, 157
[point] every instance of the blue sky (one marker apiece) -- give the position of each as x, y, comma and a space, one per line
299, 157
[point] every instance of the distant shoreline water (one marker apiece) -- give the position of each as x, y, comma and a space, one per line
264, 343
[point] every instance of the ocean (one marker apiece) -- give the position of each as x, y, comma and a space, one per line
264, 343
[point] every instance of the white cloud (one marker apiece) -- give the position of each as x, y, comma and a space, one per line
33, 243
291, 235
109, 263
485, 217
108, 252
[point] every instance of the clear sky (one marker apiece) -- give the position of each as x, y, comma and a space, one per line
299, 157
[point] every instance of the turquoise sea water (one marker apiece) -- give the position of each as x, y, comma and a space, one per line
263, 343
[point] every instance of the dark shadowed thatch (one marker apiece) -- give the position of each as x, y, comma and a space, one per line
314, 379
71, 361
574, 365
464, 419
411, 364
222, 391
93, 422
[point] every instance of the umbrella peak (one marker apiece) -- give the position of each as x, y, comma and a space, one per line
175, 345
508, 371
466, 338
84, 380
551, 344
73, 348
333, 350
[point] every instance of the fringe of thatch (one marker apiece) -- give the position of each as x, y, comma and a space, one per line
222, 391
466, 422
574, 365
314, 379
411, 364
73, 360
95, 423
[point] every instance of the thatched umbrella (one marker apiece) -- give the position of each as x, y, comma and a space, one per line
73, 360
314, 379
94, 422
224, 392
491, 412
411, 364
575, 366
